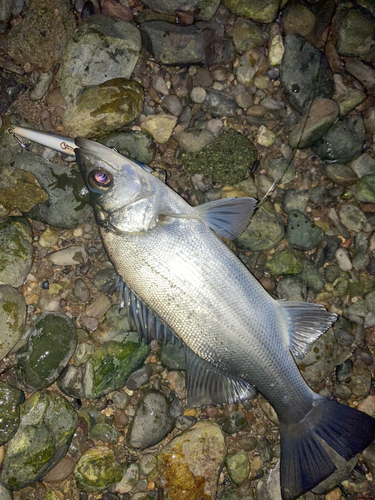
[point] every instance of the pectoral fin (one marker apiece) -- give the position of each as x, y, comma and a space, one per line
228, 217
207, 385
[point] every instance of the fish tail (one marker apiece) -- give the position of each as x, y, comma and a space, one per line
304, 461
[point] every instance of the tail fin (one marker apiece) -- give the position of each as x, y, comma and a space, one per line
304, 460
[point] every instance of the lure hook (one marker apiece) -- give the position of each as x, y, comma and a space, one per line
17, 139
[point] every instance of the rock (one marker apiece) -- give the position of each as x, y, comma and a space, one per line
139, 377
297, 18
257, 10
12, 318
99, 307
368, 405
247, 35
291, 288
112, 364
295, 200
235, 422
16, 250
369, 120
49, 347
184, 422
361, 72
301, 232
160, 127
173, 105
304, 72
115, 324
264, 232
314, 124
42, 85
132, 144
276, 51
189, 465
343, 142
363, 165
70, 382
220, 104
238, 466
202, 11
355, 34
10, 400
129, 479
103, 108
147, 463
226, 160
364, 189
343, 259
81, 291
251, 64
89, 60
265, 136
173, 357
343, 471
41, 37
284, 262
342, 175
352, 217
69, 256
344, 370
350, 100
97, 469
104, 432
46, 428
361, 383
48, 238
61, 471
320, 360
151, 421
69, 202
20, 189
194, 141
172, 44
276, 167
311, 276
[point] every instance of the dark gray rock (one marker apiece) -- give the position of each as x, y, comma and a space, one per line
69, 202
132, 144
301, 232
50, 345
70, 382
235, 422
139, 377
220, 104
264, 232
152, 421
355, 36
291, 288
202, 11
305, 73
10, 400
343, 142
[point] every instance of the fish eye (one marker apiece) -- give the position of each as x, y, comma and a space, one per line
99, 179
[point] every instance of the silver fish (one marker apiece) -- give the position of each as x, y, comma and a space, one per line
182, 279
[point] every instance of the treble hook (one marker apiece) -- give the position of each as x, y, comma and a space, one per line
23, 146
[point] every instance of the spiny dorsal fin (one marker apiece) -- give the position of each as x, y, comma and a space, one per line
228, 217
306, 322
207, 385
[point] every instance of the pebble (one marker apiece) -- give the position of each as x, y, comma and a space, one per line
235, 422
158, 83
265, 136
301, 232
173, 104
11, 398
198, 94
97, 469
139, 377
69, 256
160, 127
343, 259
238, 466
147, 463
291, 288
12, 318
42, 85
129, 479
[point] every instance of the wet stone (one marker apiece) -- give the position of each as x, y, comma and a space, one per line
195, 140
173, 357
115, 325
352, 217
301, 232
46, 428
147, 463
355, 34
312, 277
295, 200
129, 479
97, 469
238, 466
343, 259
69, 256
291, 288
151, 421
226, 160
16, 250
220, 104
264, 232
81, 291
332, 272
365, 189
69, 202
252, 64
10, 400
363, 165
132, 144
49, 347
361, 383
20, 189
100, 109
342, 175
189, 465
284, 262
277, 166
160, 127
112, 364
247, 35
184, 422
234, 423
70, 382
12, 318
61, 471
104, 432
350, 100
343, 142
256, 10
139, 377
173, 105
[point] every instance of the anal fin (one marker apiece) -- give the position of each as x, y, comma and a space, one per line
206, 385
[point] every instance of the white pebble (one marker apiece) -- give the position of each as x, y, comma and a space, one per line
214, 126
198, 95
343, 260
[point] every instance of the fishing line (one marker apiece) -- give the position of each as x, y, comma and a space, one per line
310, 100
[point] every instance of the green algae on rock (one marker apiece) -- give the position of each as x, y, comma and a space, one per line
48, 350
112, 364
226, 160
284, 262
365, 189
10, 400
97, 469
12, 318
104, 108
238, 466
189, 465
20, 189
262, 11
46, 428
16, 250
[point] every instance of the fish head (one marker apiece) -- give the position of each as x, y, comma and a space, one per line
121, 191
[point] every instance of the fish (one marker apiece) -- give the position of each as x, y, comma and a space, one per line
181, 280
